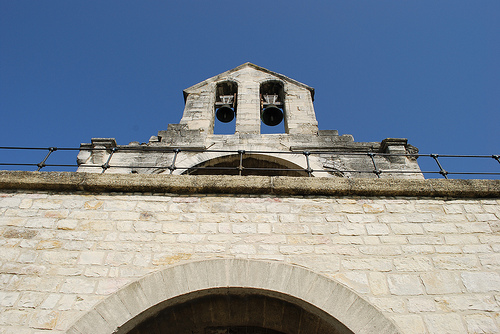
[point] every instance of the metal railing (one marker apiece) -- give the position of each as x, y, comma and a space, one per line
440, 170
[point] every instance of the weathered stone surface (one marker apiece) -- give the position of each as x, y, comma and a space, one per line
60, 181
69, 264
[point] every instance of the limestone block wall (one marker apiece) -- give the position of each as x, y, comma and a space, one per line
430, 265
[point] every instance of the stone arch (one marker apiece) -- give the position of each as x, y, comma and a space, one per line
254, 164
136, 302
295, 161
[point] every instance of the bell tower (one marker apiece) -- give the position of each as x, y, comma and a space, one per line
250, 96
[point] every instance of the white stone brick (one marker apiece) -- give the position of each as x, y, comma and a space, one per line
453, 208
51, 301
394, 239
405, 285
210, 248
410, 323
91, 257
476, 249
46, 203
461, 239
413, 264
380, 250
110, 285
118, 258
351, 208
78, 285
373, 208
407, 228
425, 240
190, 238
208, 228
469, 227
264, 228
367, 264
31, 299
440, 283
490, 261
244, 228
485, 217
448, 249
242, 249
351, 229
146, 226
8, 298
458, 262
290, 228
361, 218
421, 304
377, 229
371, 240
420, 218
337, 249
435, 228
296, 249
10, 202
465, 302
311, 219
481, 323
179, 227
378, 283
392, 219
355, 280
14, 317
481, 282
444, 323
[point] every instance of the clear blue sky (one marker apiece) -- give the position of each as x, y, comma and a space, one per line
424, 70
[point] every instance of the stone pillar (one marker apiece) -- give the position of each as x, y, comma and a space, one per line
248, 113
299, 111
395, 146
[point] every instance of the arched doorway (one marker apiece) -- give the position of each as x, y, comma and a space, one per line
240, 311
234, 296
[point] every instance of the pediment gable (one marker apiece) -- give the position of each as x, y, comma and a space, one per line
230, 73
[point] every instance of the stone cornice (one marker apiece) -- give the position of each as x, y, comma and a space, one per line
223, 184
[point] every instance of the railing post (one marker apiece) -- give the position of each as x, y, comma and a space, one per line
172, 165
105, 165
240, 167
42, 164
308, 170
376, 171
441, 169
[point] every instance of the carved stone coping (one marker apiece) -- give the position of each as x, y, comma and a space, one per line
224, 184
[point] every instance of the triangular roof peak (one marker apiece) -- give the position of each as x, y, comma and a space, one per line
256, 67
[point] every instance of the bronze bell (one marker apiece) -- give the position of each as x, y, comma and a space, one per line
225, 114
271, 115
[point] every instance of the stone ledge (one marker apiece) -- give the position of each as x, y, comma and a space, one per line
224, 184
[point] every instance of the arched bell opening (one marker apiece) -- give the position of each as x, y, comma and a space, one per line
238, 311
248, 164
225, 107
272, 107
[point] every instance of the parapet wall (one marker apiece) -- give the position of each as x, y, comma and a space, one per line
423, 252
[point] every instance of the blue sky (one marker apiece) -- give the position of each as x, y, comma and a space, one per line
424, 70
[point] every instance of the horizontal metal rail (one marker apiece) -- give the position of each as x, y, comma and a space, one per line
240, 168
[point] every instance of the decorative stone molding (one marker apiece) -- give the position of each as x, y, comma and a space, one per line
134, 303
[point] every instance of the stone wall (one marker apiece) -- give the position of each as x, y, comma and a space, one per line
431, 265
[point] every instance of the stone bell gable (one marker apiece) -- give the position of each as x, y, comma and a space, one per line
248, 81
251, 97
